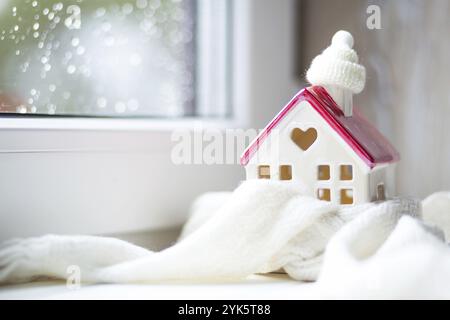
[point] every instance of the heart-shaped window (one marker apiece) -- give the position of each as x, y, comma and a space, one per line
304, 139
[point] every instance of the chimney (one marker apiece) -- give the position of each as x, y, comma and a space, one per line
343, 98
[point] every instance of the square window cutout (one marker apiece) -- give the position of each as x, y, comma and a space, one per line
346, 196
346, 172
285, 172
264, 172
323, 172
324, 194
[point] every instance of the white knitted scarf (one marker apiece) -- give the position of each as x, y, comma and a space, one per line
261, 227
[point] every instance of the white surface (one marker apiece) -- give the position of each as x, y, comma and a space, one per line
382, 251
254, 287
261, 227
100, 192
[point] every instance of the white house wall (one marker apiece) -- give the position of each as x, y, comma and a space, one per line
382, 174
328, 149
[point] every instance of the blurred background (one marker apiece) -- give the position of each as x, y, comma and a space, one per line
166, 61
407, 93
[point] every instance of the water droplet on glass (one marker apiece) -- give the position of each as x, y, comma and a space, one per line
36, 26
100, 12
84, 69
133, 105
34, 3
75, 42
51, 109
127, 8
52, 88
155, 4
71, 69
102, 102
80, 50
120, 107
141, 4
58, 6
24, 67
66, 95
22, 109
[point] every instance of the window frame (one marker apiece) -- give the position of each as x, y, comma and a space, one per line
149, 129
210, 89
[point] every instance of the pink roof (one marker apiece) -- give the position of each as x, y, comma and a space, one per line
370, 145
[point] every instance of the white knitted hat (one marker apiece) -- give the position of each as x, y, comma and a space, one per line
338, 65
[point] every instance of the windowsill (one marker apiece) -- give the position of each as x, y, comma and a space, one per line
268, 286
114, 124
60, 134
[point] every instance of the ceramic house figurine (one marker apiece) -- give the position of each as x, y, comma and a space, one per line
321, 141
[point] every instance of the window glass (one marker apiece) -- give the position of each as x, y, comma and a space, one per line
97, 57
